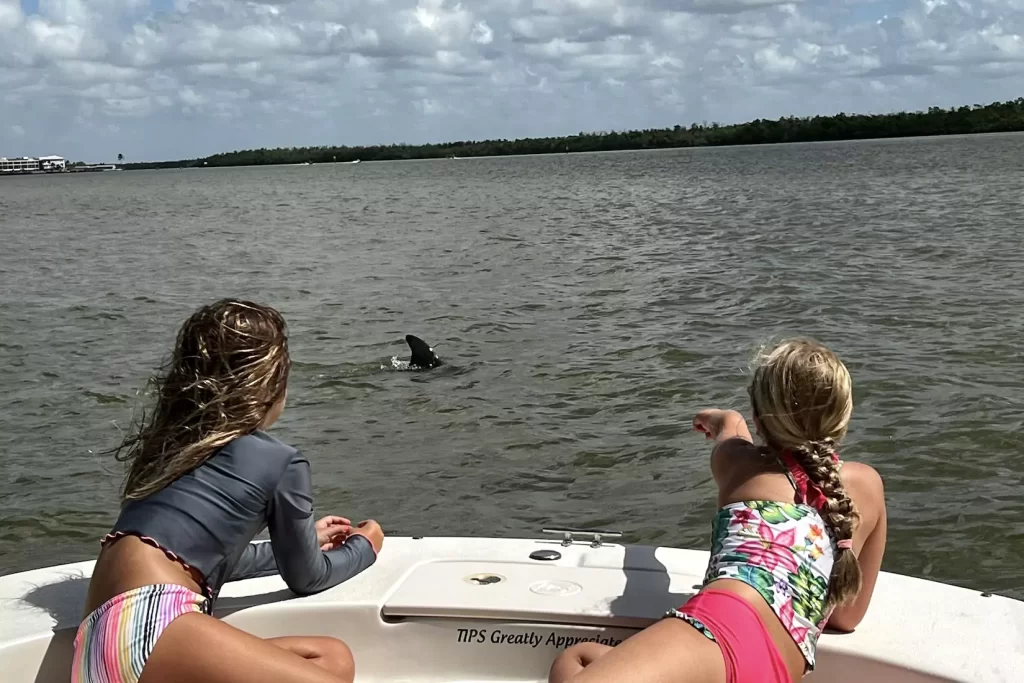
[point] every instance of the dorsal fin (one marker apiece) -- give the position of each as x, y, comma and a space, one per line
422, 355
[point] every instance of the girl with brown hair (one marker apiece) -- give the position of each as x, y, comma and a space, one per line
796, 544
203, 479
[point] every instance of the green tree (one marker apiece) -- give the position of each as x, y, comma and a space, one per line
990, 118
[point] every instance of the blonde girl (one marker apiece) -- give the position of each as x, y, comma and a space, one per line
796, 544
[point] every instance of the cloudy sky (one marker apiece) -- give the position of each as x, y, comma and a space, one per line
167, 79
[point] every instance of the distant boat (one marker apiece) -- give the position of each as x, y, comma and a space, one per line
356, 161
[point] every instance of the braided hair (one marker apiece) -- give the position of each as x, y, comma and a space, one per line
801, 395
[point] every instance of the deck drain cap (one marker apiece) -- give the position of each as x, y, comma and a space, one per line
545, 554
484, 579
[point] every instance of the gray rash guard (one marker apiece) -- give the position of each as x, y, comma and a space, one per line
209, 516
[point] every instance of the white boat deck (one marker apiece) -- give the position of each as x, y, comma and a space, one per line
419, 615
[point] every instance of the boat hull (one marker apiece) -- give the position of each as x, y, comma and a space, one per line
481, 609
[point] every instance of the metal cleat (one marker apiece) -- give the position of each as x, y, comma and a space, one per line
595, 534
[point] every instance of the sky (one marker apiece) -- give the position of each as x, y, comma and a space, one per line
172, 79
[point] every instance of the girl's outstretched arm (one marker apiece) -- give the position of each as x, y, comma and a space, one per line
293, 537
728, 429
722, 425
294, 550
257, 559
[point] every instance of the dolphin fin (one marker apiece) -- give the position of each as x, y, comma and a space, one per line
422, 355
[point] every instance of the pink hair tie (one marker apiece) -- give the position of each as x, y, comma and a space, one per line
845, 544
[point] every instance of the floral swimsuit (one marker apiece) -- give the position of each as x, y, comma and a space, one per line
782, 550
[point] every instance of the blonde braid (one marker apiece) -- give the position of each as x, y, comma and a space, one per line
818, 460
801, 394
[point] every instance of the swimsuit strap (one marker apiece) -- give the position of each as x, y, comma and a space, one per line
807, 490
792, 481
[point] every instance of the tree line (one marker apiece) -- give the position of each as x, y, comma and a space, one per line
991, 118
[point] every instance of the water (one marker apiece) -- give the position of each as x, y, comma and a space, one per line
586, 306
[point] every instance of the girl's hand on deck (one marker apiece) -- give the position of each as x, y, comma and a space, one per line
374, 534
331, 531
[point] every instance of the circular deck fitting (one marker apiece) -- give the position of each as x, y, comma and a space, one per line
484, 579
556, 587
545, 554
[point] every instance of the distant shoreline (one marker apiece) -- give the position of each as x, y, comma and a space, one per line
36, 174
996, 117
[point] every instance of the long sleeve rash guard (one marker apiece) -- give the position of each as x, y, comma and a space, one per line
209, 516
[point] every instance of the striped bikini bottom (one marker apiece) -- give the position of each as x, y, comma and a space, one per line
114, 641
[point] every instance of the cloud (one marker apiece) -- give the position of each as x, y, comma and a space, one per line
181, 78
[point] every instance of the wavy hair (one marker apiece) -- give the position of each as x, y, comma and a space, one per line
229, 367
801, 396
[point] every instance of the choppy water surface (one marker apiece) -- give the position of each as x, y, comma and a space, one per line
587, 306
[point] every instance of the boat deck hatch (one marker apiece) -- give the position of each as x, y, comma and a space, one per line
538, 592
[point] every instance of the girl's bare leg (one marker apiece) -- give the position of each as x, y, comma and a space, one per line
201, 649
573, 660
670, 651
327, 653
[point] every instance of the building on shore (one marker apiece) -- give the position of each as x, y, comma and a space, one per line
20, 165
88, 168
47, 164
51, 164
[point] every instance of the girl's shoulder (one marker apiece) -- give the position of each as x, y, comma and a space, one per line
863, 483
855, 472
257, 458
262, 440
260, 448
737, 459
